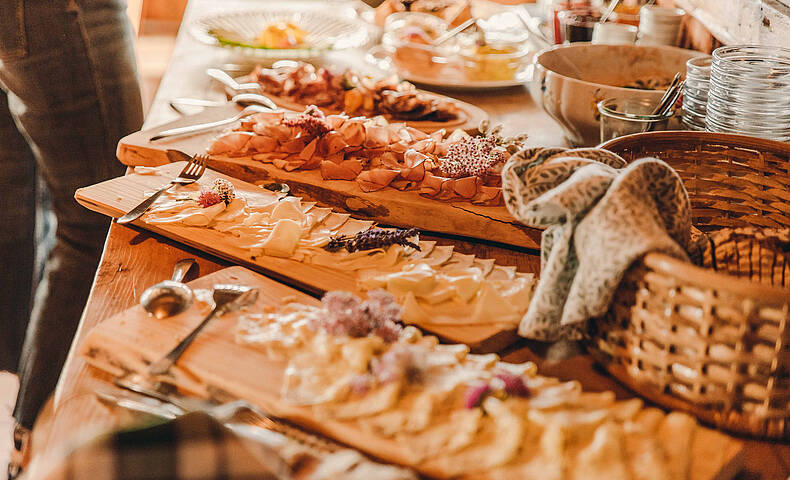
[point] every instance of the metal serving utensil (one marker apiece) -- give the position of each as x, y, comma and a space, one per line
241, 99
201, 127
227, 298
453, 32
170, 404
169, 297
667, 100
192, 171
224, 78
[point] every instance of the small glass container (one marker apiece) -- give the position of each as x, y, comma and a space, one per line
695, 92
578, 25
624, 116
494, 62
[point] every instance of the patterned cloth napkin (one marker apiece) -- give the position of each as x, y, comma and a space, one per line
192, 447
599, 214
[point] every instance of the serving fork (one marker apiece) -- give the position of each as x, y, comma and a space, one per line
163, 401
190, 174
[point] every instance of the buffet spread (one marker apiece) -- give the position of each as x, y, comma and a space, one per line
331, 191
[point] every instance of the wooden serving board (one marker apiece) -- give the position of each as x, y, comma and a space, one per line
117, 196
215, 362
388, 206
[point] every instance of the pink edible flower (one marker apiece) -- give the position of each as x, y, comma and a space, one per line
514, 384
346, 314
208, 198
312, 121
475, 394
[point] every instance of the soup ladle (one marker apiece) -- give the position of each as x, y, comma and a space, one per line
169, 297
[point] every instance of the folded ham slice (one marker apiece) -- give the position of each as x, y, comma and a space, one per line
372, 180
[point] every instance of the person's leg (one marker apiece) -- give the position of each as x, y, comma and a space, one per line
17, 215
74, 94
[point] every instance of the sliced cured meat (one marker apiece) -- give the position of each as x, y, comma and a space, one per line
372, 180
347, 170
231, 144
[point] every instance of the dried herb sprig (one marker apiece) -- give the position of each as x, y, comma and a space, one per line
373, 238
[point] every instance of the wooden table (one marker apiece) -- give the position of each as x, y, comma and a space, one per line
134, 259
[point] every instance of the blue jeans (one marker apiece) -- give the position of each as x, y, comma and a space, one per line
67, 68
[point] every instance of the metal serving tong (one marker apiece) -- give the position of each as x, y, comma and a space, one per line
667, 100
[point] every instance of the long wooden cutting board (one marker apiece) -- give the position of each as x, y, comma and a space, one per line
117, 196
388, 206
132, 339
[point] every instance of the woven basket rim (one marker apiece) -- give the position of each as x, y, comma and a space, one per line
706, 277
730, 139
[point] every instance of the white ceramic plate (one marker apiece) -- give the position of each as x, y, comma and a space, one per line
326, 31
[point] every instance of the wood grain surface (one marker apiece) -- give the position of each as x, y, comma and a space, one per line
388, 206
133, 339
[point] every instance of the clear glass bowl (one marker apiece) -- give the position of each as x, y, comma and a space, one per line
621, 117
695, 92
497, 62
749, 91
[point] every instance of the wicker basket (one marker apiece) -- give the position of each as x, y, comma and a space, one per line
712, 341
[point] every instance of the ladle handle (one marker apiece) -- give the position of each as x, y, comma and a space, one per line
181, 269
222, 77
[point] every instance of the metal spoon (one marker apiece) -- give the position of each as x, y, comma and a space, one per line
224, 78
174, 132
453, 32
609, 11
227, 298
242, 99
169, 297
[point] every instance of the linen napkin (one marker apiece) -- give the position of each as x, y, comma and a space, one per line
599, 214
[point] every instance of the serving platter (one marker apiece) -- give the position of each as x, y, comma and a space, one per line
216, 365
388, 206
469, 116
116, 196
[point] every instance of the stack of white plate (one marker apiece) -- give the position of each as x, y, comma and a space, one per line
659, 25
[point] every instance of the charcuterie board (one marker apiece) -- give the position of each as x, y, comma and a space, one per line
216, 365
388, 206
117, 196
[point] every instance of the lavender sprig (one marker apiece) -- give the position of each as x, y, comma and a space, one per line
373, 238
